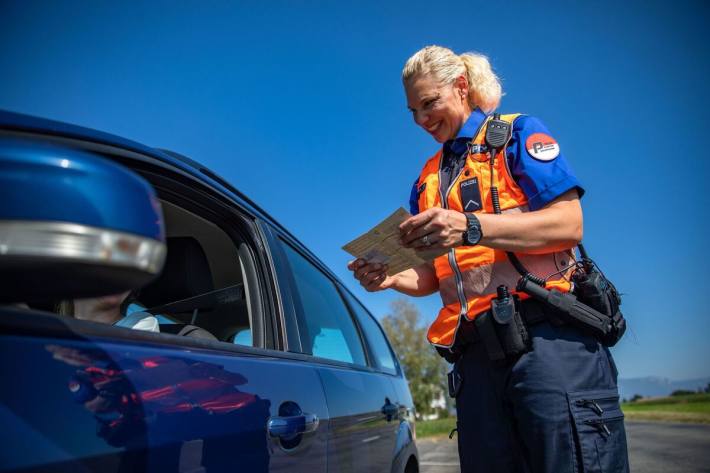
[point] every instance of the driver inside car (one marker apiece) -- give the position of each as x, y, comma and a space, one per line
116, 309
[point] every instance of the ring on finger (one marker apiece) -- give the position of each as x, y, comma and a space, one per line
425, 240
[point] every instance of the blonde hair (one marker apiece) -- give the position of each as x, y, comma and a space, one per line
484, 88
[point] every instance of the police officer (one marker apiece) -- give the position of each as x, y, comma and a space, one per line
549, 403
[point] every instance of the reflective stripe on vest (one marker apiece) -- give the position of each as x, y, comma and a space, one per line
469, 276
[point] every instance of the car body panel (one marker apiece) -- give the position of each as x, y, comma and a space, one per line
99, 405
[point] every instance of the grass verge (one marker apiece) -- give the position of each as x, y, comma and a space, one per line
692, 408
436, 427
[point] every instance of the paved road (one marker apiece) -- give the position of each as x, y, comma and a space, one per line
653, 448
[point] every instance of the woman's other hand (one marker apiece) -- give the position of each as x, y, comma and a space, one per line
372, 276
435, 228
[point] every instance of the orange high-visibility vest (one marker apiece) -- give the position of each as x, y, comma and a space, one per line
469, 275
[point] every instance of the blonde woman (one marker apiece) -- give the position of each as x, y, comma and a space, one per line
532, 393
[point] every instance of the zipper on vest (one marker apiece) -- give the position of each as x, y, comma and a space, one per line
452, 252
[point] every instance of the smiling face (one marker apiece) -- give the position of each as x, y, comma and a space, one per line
438, 108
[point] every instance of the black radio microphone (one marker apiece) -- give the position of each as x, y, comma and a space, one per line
497, 132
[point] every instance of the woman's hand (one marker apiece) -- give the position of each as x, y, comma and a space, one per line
435, 228
417, 282
372, 276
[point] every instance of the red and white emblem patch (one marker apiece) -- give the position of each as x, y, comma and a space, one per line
543, 147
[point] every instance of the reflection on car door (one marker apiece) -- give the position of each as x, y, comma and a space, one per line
104, 402
363, 420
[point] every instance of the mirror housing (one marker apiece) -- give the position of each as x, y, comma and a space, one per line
73, 224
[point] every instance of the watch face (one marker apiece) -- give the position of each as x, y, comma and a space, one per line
473, 233
473, 236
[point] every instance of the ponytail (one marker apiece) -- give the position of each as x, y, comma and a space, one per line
484, 89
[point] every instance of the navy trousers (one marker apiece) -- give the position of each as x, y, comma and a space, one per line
553, 410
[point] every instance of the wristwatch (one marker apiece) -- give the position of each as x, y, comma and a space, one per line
473, 233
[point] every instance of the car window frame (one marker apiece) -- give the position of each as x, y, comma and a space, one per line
288, 329
199, 190
238, 226
198, 179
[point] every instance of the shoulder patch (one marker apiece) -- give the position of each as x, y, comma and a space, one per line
542, 147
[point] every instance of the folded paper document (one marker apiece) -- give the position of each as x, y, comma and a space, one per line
381, 245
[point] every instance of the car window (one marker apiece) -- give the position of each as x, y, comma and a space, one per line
202, 284
201, 292
325, 324
375, 336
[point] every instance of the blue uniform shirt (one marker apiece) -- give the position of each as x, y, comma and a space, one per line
542, 178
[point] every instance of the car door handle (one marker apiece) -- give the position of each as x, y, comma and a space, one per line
390, 410
289, 427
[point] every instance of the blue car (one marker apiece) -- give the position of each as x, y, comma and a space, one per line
153, 318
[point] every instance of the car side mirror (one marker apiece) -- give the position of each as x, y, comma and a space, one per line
73, 224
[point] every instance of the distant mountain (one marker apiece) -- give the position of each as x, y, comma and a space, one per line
657, 386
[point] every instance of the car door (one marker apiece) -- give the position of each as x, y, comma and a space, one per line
361, 401
209, 392
385, 361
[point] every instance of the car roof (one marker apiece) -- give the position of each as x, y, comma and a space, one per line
30, 124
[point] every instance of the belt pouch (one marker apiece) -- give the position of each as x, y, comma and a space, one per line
489, 337
509, 325
514, 336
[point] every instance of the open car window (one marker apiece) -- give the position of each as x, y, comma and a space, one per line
202, 290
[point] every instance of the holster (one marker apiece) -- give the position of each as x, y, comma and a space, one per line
503, 341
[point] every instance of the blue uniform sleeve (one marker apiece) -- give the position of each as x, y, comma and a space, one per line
414, 199
537, 163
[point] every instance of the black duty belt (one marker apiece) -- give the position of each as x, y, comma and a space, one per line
533, 312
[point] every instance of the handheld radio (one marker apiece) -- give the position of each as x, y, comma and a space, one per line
497, 135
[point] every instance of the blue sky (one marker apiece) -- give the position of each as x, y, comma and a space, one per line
300, 105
